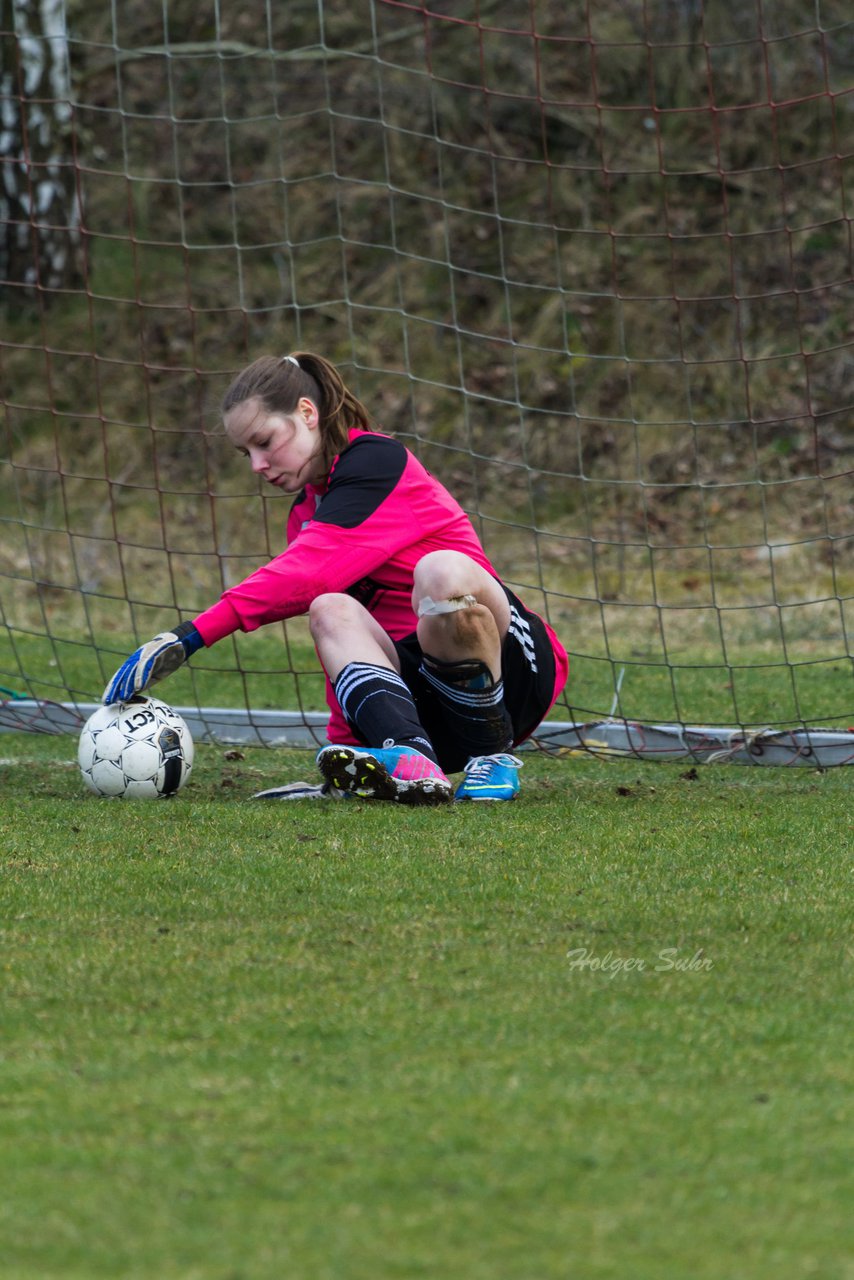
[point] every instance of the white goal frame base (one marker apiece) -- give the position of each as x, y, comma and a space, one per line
608, 739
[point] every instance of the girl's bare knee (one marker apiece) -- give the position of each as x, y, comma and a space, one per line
442, 575
329, 612
458, 585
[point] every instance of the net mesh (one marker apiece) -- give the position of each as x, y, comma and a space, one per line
592, 263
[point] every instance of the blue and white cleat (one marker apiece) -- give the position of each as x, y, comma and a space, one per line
384, 773
490, 778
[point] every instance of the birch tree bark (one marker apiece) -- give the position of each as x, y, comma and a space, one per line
40, 209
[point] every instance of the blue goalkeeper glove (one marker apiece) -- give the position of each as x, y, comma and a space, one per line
151, 662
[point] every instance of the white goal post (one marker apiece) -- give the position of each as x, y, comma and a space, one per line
592, 262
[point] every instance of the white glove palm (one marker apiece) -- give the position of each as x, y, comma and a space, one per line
152, 661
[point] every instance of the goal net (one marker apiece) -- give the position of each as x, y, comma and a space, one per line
592, 262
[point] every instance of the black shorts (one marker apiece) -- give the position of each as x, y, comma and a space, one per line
528, 671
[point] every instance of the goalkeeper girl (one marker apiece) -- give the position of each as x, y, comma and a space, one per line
433, 666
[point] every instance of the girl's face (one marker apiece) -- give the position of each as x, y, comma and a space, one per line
284, 448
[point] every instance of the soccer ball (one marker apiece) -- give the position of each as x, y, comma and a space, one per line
140, 749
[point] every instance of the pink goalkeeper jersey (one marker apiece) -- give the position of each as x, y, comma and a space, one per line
363, 533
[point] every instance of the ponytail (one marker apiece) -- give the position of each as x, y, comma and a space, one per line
280, 382
340, 410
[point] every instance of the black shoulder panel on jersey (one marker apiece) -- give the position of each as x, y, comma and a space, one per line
363, 477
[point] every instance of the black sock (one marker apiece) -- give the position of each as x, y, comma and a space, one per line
473, 703
380, 707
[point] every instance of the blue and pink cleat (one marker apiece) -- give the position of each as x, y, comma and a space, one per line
384, 773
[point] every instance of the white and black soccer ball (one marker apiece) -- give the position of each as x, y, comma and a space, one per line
140, 749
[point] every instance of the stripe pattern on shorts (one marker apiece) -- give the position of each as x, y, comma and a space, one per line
520, 629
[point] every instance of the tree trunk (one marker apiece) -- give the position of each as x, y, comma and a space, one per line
39, 199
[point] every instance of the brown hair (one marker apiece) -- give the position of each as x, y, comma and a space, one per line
280, 382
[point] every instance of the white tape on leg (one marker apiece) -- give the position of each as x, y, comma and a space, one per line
431, 608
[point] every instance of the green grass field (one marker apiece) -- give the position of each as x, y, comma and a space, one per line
603, 1032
